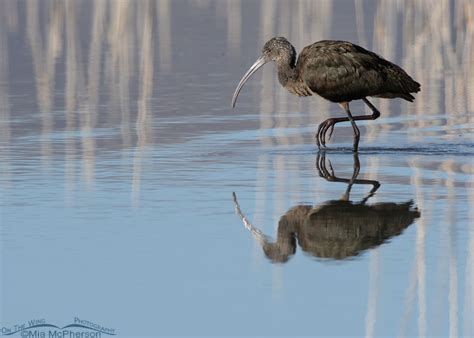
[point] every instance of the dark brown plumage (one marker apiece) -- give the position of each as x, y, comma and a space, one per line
338, 71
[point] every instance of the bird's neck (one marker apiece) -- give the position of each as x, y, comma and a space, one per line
290, 78
287, 73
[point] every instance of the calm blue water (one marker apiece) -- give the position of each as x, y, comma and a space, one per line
119, 157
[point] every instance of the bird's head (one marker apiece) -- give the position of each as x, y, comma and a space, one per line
279, 50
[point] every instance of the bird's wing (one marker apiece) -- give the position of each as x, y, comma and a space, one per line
341, 71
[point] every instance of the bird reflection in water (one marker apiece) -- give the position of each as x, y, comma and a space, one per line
337, 229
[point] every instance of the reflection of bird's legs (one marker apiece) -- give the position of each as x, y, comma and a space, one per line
329, 124
375, 187
356, 167
329, 175
322, 169
355, 173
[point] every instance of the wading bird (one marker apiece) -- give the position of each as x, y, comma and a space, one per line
338, 71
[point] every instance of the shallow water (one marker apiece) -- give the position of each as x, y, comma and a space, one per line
119, 157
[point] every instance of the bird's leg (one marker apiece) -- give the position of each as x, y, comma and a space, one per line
375, 112
328, 125
345, 106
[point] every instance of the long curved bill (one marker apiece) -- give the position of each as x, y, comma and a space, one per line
259, 63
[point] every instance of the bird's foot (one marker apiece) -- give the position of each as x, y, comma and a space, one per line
323, 129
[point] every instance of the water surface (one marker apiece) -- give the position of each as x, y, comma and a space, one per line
119, 157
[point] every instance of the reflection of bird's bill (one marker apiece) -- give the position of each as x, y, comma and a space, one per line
258, 234
259, 63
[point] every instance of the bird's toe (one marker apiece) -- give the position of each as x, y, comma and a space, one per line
331, 129
328, 126
318, 136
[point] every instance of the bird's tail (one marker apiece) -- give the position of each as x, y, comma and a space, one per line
400, 84
407, 97
412, 87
